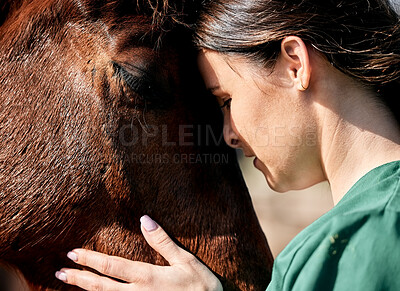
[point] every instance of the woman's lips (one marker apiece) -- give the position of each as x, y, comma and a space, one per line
255, 161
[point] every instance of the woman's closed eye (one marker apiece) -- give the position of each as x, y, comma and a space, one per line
227, 104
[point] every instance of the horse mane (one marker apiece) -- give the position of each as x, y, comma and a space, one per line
169, 13
164, 10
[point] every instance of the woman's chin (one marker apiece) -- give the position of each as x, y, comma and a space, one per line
272, 182
283, 181
259, 165
277, 187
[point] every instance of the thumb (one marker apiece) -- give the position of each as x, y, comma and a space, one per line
159, 240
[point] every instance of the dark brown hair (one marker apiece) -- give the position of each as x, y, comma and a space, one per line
359, 37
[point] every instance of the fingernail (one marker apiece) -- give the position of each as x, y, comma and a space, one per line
61, 276
148, 223
72, 256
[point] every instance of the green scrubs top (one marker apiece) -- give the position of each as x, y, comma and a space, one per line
354, 246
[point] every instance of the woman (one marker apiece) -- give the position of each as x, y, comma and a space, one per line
327, 75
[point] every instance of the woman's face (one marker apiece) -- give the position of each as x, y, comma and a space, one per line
266, 116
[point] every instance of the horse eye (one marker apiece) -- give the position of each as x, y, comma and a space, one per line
144, 86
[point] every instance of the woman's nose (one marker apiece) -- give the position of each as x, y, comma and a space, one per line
230, 136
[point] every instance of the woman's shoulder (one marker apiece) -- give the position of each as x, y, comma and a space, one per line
375, 193
354, 252
357, 236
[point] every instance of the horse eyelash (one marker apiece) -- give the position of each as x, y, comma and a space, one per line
137, 84
145, 87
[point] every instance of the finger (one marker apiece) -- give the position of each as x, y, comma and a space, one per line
159, 240
89, 281
116, 267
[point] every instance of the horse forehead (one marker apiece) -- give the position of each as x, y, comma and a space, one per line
119, 23
118, 35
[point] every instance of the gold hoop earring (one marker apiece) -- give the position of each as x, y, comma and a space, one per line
301, 83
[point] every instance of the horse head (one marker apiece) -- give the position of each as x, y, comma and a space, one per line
104, 118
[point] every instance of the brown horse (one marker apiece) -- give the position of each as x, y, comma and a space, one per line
103, 118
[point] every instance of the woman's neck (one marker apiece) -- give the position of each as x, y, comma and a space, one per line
358, 134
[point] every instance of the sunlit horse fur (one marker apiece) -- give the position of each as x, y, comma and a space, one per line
85, 88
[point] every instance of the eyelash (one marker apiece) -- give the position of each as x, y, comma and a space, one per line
139, 85
227, 104
145, 89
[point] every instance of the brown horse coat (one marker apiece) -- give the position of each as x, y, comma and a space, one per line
103, 118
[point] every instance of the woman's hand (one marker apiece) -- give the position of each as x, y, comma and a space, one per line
184, 273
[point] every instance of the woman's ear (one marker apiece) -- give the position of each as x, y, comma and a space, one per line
295, 54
